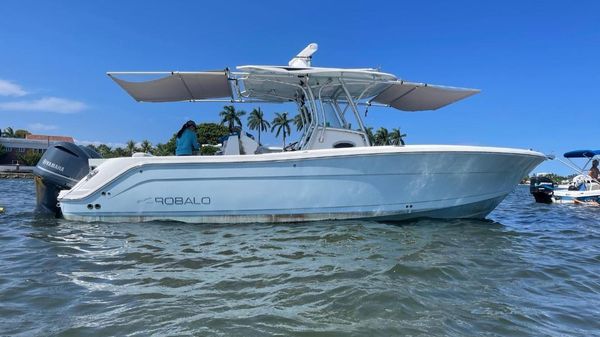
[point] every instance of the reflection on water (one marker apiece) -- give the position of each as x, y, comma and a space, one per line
530, 270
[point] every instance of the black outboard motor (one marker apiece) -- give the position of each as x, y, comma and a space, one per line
542, 189
60, 168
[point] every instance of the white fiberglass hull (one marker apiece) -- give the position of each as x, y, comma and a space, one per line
565, 196
382, 183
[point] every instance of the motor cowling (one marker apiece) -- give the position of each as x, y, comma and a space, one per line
542, 189
60, 168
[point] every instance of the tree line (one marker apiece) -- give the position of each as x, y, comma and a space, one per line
210, 134
10, 133
281, 125
27, 158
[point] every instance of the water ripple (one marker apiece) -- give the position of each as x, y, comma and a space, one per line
530, 270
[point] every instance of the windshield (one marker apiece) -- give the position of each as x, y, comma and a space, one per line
331, 117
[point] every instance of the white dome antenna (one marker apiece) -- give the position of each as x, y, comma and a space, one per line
302, 60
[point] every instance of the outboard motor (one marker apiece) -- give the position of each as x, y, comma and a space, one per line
542, 189
60, 168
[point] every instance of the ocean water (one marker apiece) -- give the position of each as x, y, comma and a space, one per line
529, 270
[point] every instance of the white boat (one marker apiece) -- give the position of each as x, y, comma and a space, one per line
332, 172
582, 189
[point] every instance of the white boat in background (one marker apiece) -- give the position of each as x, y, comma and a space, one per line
582, 189
332, 172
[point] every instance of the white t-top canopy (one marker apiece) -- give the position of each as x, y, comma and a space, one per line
275, 83
409, 96
280, 84
177, 86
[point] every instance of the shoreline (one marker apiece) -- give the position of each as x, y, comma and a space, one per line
16, 175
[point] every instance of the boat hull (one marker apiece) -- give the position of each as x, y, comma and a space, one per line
576, 197
384, 183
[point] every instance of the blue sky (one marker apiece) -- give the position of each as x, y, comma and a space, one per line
537, 63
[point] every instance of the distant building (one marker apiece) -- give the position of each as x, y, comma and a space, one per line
50, 138
14, 147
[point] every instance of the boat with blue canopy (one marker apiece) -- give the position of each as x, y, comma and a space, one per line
582, 189
582, 154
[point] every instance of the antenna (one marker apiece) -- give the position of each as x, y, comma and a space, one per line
302, 60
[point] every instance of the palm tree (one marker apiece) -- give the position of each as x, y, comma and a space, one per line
131, 147
396, 138
281, 122
146, 146
299, 122
104, 150
231, 117
370, 136
256, 121
119, 152
92, 147
8, 132
381, 136
302, 118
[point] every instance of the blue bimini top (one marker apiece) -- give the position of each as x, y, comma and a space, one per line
582, 154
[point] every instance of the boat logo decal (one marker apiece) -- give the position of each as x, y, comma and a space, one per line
53, 165
179, 201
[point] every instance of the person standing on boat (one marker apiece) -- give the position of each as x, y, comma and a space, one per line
594, 170
187, 140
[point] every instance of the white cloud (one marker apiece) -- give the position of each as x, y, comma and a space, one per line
42, 127
8, 88
97, 142
46, 104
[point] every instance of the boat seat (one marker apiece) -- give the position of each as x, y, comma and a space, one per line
231, 146
248, 145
